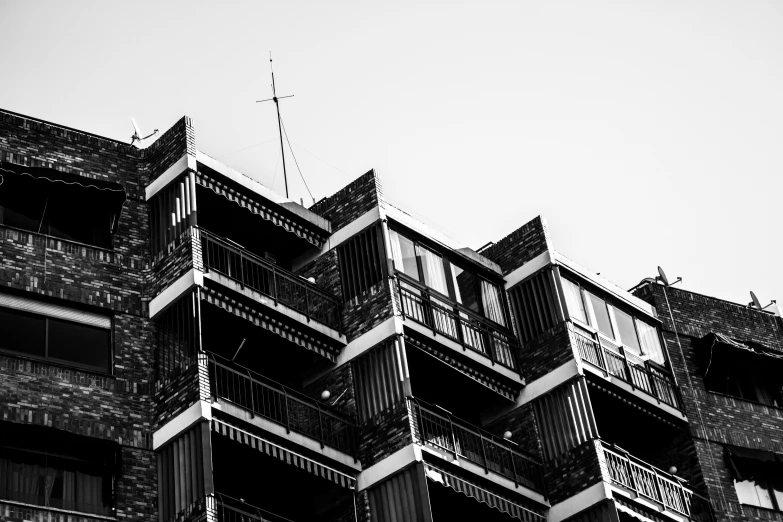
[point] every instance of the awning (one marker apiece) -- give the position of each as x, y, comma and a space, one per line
742, 348
258, 318
106, 193
744, 463
261, 210
507, 391
283, 454
636, 511
493, 500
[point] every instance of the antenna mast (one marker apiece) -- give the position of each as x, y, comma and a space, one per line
275, 98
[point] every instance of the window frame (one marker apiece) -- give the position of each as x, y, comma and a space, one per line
592, 324
56, 360
448, 261
768, 477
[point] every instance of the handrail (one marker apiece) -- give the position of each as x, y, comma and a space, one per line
617, 362
108, 252
230, 509
278, 403
472, 443
467, 328
648, 481
282, 286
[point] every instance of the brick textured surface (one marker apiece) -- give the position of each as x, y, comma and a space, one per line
352, 201
520, 246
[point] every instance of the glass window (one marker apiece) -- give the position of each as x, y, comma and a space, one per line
432, 266
492, 301
79, 343
22, 332
627, 331
404, 255
651, 344
601, 313
48, 337
758, 481
574, 303
465, 287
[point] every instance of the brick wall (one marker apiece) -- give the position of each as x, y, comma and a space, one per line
177, 395
574, 471
547, 352
386, 433
717, 420
374, 307
352, 201
179, 259
326, 271
520, 246
339, 382
521, 422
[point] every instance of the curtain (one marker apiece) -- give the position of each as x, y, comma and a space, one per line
574, 303
434, 274
404, 254
493, 302
651, 344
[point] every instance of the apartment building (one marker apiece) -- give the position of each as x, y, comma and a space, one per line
181, 343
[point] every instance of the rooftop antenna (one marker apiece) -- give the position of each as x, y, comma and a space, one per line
665, 280
137, 134
755, 303
275, 98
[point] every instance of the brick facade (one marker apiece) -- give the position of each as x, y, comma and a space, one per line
525, 243
717, 420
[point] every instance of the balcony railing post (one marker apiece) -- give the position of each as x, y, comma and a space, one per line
274, 286
307, 304
484, 453
454, 438
513, 468
252, 398
320, 425
287, 416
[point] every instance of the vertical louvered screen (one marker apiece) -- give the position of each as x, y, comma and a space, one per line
178, 336
172, 211
565, 418
379, 377
401, 498
535, 304
184, 471
362, 262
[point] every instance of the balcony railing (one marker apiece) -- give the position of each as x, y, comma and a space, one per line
273, 401
616, 361
265, 278
229, 509
650, 482
446, 432
472, 331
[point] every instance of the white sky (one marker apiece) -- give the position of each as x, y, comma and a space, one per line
646, 133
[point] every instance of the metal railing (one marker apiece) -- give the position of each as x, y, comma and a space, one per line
467, 328
251, 271
230, 509
648, 481
266, 398
619, 363
463, 440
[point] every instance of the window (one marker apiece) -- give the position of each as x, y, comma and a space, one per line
758, 477
56, 339
362, 264
466, 288
48, 467
66, 206
636, 335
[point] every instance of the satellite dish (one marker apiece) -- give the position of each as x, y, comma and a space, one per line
755, 301
137, 134
662, 276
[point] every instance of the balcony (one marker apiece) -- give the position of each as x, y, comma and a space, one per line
442, 431
645, 480
618, 362
281, 405
251, 271
459, 324
229, 509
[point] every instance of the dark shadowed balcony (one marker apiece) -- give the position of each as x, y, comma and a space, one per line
439, 429
273, 401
